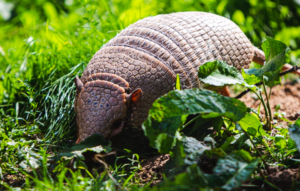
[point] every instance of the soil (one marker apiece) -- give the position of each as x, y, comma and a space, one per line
284, 179
153, 169
287, 96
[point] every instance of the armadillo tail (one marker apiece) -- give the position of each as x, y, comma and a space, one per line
259, 56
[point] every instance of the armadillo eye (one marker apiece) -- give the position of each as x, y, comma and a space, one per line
117, 124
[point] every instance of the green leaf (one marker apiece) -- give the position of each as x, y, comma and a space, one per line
187, 151
239, 140
251, 131
196, 101
193, 149
232, 171
295, 133
219, 73
242, 155
95, 143
250, 124
272, 48
291, 144
275, 52
193, 178
227, 143
162, 135
280, 142
251, 79
202, 125
272, 78
89, 142
165, 116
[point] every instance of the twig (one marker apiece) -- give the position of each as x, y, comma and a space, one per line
99, 158
293, 69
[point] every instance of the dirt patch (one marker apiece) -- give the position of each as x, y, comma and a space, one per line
14, 180
153, 168
286, 96
285, 179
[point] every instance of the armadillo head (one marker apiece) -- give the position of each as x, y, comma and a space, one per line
101, 105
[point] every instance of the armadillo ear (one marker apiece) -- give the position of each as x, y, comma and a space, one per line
134, 96
78, 84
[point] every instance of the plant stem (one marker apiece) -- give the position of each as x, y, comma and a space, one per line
268, 104
264, 105
266, 111
295, 68
191, 121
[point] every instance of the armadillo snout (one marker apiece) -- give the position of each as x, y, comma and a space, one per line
101, 108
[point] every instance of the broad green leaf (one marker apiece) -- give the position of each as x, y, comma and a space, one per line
272, 78
187, 151
193, 178
242, 155
95, 143
239, 140
219, 73
275, 52
251, 131
251, 123
227, 143
196, 101
193, 149
179, 156
89, 142
201, 127
251, 79
272, 48
280, 142
232, 170
295, 133
164, 143
291, 144
162, 135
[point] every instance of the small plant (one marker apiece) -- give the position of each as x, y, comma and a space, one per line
169, 131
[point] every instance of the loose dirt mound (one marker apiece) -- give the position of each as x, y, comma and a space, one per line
283, 178
153, 168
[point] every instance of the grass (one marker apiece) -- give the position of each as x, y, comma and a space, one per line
45, 44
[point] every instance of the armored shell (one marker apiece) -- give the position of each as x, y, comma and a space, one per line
147, 55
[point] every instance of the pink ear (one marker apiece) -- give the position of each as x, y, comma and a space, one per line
78, 84
134, 96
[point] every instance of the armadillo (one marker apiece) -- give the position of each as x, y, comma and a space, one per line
140, 64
